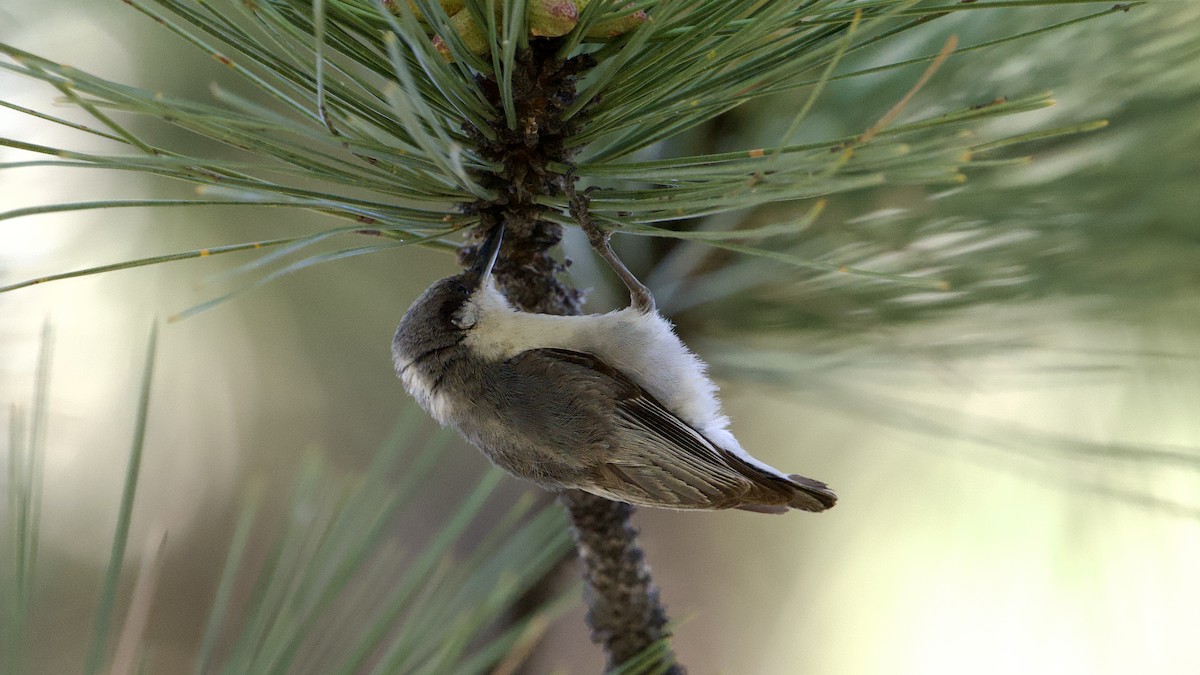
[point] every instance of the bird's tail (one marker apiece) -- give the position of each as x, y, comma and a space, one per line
810, 495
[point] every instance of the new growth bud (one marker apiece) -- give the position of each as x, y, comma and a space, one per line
452, 7
552, 18
545, 18
610, 28
463, 23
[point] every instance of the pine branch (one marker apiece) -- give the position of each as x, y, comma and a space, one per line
624, 612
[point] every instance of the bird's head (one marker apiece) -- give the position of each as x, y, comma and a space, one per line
445, 313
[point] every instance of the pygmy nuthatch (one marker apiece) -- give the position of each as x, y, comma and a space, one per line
613, 404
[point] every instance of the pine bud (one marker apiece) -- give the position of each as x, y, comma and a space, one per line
452, 7
552, 18
472, 34
607, 28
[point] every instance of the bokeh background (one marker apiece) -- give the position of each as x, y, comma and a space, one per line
1019, 472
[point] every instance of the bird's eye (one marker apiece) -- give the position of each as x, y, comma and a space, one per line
458, 314
461, 288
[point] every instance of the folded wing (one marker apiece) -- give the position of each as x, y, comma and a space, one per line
653, 457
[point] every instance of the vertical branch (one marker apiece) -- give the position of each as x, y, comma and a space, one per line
624, 612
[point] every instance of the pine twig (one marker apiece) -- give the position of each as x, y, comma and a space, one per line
625, 615
624, 612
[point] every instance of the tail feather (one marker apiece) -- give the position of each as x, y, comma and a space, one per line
763, 508
811, 495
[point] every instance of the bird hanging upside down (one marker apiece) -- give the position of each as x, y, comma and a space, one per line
612, 404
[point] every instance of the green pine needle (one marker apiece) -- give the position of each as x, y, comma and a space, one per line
360, 101
98, 653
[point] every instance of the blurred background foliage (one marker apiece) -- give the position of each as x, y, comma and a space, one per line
1017, 456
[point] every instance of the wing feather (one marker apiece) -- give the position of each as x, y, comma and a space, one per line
654, 457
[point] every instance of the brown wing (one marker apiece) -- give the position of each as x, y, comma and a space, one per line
655, 458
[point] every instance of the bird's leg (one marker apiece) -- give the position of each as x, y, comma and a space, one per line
639, 296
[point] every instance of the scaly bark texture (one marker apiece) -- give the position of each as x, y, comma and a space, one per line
624, 612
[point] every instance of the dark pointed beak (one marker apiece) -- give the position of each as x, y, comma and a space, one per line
485, 258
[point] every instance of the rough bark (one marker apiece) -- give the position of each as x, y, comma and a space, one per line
624, 611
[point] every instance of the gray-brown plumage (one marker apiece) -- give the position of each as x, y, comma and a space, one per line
542, 396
